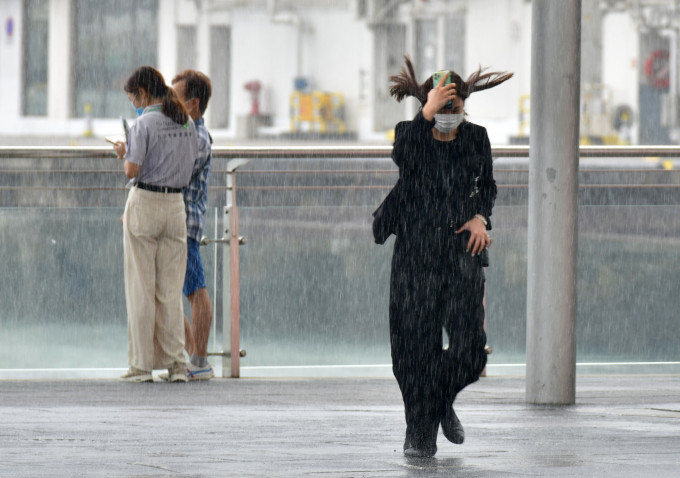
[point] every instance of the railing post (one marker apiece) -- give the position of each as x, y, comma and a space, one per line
231, 329
234, 284
218, 277
225, 293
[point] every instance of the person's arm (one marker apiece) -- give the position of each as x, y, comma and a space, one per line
479, 239
398, 149
423, 122
437, 97
131, 169
480, 222
487, 184
136, 149
408, 136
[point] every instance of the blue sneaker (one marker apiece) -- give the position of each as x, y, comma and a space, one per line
199, 373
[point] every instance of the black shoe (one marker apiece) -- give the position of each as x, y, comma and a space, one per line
425, 452
413, 450
452, 428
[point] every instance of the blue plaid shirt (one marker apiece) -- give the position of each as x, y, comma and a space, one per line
196, 193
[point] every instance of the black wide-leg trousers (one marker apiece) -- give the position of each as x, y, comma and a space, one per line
435, 286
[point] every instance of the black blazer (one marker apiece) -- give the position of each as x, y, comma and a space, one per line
440, 184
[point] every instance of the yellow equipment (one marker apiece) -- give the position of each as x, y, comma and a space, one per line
317, 112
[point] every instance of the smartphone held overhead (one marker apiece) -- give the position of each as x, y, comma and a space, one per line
437, 77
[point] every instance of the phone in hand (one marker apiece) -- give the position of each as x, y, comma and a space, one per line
126, 129
436, 78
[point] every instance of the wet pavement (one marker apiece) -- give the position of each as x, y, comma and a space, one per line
621, 426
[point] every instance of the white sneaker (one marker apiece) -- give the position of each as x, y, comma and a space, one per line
177, 373
137, 376
199, 373
193, 373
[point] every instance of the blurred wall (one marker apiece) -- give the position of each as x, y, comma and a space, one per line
620, 48
331, 55
10, 59
499, 37
338, 52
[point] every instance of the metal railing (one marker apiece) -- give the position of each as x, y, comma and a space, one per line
293, 152
316, 151
237, 156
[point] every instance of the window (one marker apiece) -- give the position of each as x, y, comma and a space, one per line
390, 45
111, 39
186, 48
220, 72
432, 55
454, 49
426, 48
36, 14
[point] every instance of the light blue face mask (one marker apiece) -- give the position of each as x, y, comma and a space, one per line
445, 123
139, 110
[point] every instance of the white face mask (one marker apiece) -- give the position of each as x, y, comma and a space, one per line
445, 123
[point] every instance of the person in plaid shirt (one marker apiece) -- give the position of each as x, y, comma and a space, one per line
194, 90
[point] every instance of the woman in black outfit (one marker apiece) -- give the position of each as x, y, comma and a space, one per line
439, 210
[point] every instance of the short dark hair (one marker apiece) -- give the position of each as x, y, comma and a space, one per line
197, 86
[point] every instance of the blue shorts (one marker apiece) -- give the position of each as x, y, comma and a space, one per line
195, 277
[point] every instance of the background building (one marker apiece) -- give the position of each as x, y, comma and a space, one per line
62, 63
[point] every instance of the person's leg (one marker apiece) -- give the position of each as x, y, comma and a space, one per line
140, 232
201, 309
201, 320
487, 348
170, 268
465, 357
462, 310
187, 289
468, 338
201, 315
463, 361
416, 339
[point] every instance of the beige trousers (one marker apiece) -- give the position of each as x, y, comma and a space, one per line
155, 244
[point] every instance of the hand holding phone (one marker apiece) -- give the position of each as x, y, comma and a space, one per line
436, 80
118, 145
126, 129
120, 142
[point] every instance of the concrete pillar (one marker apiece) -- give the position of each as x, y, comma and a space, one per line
59, 67
553, 189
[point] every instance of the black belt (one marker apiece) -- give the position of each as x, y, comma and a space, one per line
158, 189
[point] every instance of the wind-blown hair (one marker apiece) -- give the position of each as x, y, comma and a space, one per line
405, 83
152, 81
